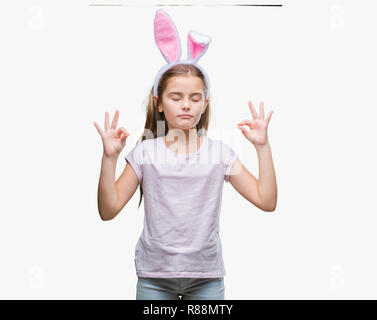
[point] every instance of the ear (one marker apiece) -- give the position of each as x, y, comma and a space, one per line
159, 109
166, 36
197, 45
205, 106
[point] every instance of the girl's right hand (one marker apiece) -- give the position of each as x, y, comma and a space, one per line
113, 139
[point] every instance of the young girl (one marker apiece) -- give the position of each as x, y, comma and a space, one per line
179, 253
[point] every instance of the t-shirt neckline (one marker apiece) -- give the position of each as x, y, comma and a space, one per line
185, 155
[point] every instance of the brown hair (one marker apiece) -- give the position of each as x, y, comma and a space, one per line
153, 115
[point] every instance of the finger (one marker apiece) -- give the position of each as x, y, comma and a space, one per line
121, 131
253, 112
243, 130
98, 128
261, 108
115, 120
125, 132
106, 121
124, 137
123, 140
246, 122
269, 117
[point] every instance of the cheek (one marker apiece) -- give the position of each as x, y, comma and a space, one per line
172, 105
169, 112
199, 106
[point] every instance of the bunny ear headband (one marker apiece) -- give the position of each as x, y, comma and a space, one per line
167, 40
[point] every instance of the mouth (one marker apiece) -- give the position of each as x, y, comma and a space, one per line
185, 116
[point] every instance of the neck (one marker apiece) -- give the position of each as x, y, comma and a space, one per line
184, 136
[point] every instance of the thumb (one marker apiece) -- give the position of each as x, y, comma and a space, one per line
121, 131
243, 129
124, 137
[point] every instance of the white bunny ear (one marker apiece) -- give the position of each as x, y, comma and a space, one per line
166, 36
197, 45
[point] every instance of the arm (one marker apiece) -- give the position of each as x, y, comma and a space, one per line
262, 192
267, 188
107, 195
113, 196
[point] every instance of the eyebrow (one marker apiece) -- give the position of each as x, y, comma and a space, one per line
180, 93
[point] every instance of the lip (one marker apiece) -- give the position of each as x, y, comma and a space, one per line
185, 116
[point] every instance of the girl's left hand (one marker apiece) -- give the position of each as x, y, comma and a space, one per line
257, 134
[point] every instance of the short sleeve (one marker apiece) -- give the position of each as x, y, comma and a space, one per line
135, 159
229, 157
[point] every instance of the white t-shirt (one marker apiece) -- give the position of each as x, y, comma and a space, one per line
182, 201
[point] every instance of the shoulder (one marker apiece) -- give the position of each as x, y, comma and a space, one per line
145, 144
138, 149
222, 151
220, 145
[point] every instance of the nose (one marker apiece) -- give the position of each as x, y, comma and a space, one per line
186, 104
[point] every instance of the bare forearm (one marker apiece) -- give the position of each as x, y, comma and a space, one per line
267, 188
107, 194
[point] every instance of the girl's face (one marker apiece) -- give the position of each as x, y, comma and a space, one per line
183, 95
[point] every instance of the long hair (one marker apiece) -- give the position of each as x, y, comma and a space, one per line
153, 115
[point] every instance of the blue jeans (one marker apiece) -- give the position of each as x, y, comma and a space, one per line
172, 288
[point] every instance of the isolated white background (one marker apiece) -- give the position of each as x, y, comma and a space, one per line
64, 63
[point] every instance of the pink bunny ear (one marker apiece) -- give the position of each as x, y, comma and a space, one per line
197, 45
166, 36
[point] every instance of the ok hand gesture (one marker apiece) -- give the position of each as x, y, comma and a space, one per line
113, 139
257, 134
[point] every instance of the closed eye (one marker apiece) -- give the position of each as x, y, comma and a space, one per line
192, 100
